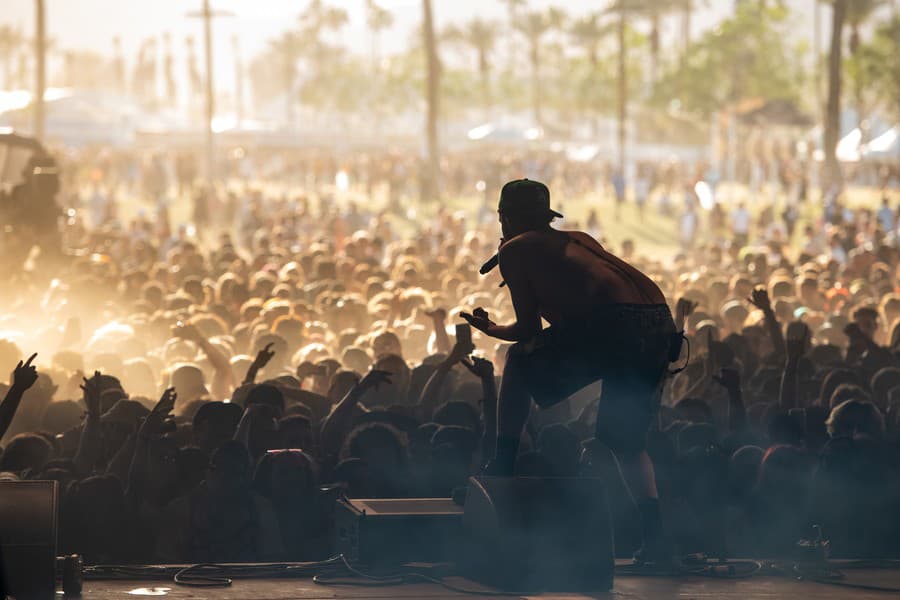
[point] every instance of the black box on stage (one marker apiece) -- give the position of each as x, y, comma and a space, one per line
395, 531
531, 533
28, 513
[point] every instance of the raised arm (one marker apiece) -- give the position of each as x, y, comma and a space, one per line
223, 379
439, 320
89, 445
149, 430
24, 376
797, 343
514, 263
430, 398
262, 359
484, 370
338, 424
760, 299
737, 414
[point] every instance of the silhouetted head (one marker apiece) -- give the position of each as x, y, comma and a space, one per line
524, 206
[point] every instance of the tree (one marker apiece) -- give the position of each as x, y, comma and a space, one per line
378, 19
481, 37
745, 56
833, 174
587, 33
11, 41
534, 26
875, 68
512, 9
431, 183
858, 12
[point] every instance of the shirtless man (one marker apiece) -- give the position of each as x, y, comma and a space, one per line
608, 321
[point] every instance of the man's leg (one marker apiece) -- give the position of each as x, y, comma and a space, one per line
622, 423
513, 406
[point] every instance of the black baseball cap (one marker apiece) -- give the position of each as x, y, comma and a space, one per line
526, 197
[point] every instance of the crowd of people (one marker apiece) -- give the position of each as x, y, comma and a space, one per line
206, 399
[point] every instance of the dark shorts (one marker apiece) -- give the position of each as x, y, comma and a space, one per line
626, 346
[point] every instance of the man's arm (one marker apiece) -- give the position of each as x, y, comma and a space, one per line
338, 424
428, 401
760, 299
223, 378
514, 262
24, 376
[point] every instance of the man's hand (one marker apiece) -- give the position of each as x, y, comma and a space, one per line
308, 369
479, 319
438, 315
373, 380
460, 351
91, 389
855, 334
186, 331
729, 379
25, 374
797, 341
154, 421
263, 357
684, 308
480, 367
760, 299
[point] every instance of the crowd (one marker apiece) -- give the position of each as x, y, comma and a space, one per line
207, 399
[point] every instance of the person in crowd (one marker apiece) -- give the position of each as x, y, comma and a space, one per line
309, 342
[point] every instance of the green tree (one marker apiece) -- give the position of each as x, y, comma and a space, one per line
481, 37
745, 56
431, 183
833, 104
875, 68
11, 42
534, 26
378, 19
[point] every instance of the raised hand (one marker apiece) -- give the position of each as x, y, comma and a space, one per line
760, 299
154, 421
439, 315
729, 379
798, 339
91, 389
479, 319
685, 308
264, 356
186, 331
373, 380
25, 374
479, 367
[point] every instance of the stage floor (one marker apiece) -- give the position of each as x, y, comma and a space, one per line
626, 588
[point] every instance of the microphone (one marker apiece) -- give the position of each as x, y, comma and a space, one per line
490, 264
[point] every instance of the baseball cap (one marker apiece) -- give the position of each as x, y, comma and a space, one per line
525, 196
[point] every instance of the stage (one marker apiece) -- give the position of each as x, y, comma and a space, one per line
626, 587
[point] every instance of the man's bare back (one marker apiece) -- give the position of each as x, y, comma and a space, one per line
567, 276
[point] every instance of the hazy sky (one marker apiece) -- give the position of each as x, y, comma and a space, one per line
92, 24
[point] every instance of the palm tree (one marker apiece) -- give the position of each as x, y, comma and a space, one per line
587, 33
317, 19
431, 182
378, 19
11, 40
858, 12
534, 26
287, 49
512, 9
833, 106
480, 36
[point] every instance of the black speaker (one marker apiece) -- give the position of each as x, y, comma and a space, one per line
28, 513
395, 531
538, 534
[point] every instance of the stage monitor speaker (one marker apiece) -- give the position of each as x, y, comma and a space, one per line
28, 513
395, 531
538, 534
